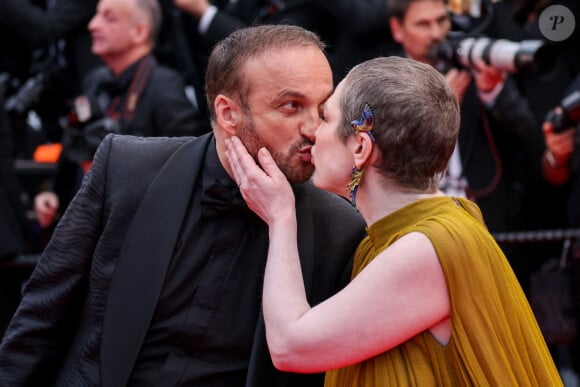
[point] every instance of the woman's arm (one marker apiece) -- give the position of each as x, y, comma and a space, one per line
401, 293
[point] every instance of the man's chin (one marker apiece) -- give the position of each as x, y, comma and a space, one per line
299, 174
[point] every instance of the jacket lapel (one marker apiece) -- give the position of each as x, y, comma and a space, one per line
306, 234
144, 259
261, 371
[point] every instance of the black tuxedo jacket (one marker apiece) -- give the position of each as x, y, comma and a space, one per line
86, 308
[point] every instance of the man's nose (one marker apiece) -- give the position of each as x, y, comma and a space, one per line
436, 32
92, 23
310, 125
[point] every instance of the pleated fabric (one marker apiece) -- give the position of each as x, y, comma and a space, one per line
495, 339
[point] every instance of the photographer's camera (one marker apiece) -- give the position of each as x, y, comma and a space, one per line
85, 128
464, 51
568, 116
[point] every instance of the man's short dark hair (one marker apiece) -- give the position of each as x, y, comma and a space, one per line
398, 8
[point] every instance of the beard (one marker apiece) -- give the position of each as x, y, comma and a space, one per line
291, 164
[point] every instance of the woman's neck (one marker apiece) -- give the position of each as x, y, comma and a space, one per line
375, 201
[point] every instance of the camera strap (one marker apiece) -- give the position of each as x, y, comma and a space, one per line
138, 83
474, 194
127, 112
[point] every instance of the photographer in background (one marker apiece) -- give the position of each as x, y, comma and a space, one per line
132, 94
519, 20
561, 161
499, 147
561, 168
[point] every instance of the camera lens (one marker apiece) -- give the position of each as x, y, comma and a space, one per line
502, 54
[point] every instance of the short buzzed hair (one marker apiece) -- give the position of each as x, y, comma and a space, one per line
416, 117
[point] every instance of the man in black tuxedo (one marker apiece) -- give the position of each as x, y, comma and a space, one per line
153, 275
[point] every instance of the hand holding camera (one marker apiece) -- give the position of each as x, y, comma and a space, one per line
562, 134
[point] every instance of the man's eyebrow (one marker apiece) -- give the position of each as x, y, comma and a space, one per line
293, 94
284, 94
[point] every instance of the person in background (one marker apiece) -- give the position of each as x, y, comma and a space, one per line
497, 157
433, 300
557, 65
130, 94
153, 276
561, 168
561, 161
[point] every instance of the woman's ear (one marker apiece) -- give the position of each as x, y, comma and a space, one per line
228, 114
362, 148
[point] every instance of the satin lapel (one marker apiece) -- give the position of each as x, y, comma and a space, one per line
306, 235
261, 371
143, 262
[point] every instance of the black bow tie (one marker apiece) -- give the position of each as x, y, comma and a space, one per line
217, 198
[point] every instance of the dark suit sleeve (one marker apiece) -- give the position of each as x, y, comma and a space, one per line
514, 114
46, 320
221, 26
339, 230
357, 17
174, 114
39, 27
574, 86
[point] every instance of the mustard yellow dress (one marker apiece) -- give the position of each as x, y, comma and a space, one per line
495, 340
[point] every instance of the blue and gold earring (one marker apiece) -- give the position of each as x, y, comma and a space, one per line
365, 124
352, 186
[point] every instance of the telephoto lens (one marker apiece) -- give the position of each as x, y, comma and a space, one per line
505, 55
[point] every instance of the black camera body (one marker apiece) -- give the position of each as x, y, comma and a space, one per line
462, 51
45, 81
27, 95
84, 129
569, 114
566, 117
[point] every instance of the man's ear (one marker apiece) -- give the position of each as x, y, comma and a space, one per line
228, 114
396, 29
141, 32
